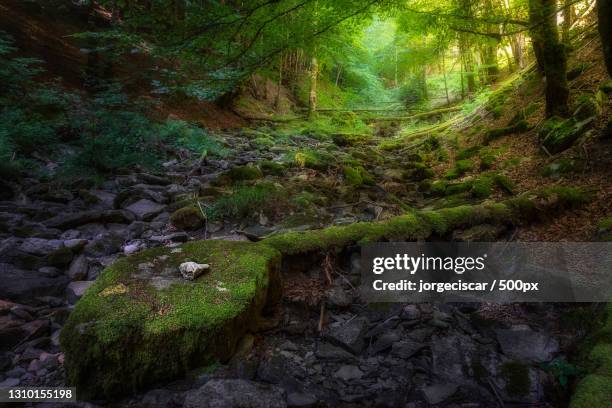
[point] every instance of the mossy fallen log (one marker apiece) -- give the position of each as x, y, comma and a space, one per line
423, 115
140, 324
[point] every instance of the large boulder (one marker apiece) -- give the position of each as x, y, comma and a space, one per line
141, 323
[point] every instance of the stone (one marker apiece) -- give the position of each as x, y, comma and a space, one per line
9, 382
327, 351
145, 209
338, 297
75, 244
522, 343
410, 312
437, 393
78, 268
41, 247
106, 243
23, 286
226, 393
406, 348
191, 270
76, 290
349, 335
73, 220
301, 400
348, 373
385, 341
187, 218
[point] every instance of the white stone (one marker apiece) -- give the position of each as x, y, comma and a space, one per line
191, 270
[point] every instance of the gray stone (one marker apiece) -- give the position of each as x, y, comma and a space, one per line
106, 243
41, 247
145, 209
348, 373
437, 393
72, 220
328, 351
9, 382
406, 348
385, 341
349, 335
410, 312
23, 286
522, 343
230, 393
76, 290
75, 244
78, 268
338, 297
300, 400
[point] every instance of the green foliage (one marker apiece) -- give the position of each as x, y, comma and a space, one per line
357, 176
561, 370
247, 201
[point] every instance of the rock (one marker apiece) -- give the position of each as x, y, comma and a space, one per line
22, 286
327, 351
522, 343
410, 312
78, 268
349, 335
348, 373
385, 341
437, 393
41, 247
338, 297
300, 400
145, 209
406, 348
9, 382
257, 232
191, 270
73, 220
76, 244
187, 218
133, 247
49, 271
229, 393
106, 243
76, 290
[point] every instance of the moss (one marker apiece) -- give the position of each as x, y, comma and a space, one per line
504, 183
594, 391
461, 167
468, 152
245, 201
519, 127
268, 167
419, 171
241, 173
350, 139
187, 218
438, 187
357, 176
313, 159
604, 229
601, 355
482, 187
517, 378
557, 134
263, 142
559, 167
458, 188
587, 106
119, 343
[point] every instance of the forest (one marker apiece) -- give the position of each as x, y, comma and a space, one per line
186, 187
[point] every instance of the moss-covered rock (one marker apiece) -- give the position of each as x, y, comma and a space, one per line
268, 167
357, 176
518, 127
160, 326
243, 173
557, 134
187, 218
461, 167
588, 106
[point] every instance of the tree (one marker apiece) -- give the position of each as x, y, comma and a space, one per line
604, 15
550, 54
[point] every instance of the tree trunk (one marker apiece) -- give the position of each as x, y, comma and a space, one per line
551, 55
604, 15
312, 99
445, 81
568, 14
280, 82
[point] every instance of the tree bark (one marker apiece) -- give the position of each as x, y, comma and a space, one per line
551, 55
604, 16
312, 99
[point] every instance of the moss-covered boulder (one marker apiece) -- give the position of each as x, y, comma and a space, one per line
187, 218
141, 323
557, 134
242, 173
357, 176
